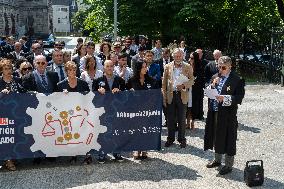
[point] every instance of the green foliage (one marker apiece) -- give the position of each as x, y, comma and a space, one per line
222, 24
95, 20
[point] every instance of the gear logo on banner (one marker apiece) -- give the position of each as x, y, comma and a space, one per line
65, 125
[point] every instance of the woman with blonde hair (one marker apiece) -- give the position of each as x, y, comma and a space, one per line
25, 68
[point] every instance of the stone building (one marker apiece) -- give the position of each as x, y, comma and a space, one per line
25, 17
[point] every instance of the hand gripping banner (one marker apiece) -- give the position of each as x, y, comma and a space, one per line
59, 124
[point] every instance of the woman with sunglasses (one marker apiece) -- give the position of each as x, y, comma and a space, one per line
221, 123
25, 68
9, 83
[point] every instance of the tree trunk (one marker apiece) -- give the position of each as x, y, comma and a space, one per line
280, 6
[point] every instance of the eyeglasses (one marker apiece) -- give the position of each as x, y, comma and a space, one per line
222, 67
28, 68
41, 63
37, 48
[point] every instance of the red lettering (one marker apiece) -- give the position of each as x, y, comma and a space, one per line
3, 121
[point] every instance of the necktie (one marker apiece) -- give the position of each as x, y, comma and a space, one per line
219, 89
61, 73
43, 81
166, 61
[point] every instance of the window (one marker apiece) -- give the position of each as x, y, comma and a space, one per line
73, 5
58, 20
64, 9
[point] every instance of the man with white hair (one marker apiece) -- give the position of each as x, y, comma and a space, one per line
221, 123
175, 96
40, 80
17, 53
212, 67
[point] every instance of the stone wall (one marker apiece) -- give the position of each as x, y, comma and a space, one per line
20, 17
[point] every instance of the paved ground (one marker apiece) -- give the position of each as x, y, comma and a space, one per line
261, 136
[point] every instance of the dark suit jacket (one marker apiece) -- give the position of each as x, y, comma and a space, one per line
82, 86
29, 82
51, 68
210, 70
223, 137
102, 82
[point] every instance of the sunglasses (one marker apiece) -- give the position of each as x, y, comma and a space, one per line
41, 63
28, 68
222, 67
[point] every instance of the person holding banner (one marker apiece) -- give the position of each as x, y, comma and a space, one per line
40, 80
9, 83
72, 83
177, 79
141, 81
109, 83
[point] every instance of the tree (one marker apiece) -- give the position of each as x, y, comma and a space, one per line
94, 20
280, 6
222, 24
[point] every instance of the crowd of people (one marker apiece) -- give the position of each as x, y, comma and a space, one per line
125, 65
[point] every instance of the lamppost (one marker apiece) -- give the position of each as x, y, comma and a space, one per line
115, 19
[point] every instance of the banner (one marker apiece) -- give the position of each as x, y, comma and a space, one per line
59, 124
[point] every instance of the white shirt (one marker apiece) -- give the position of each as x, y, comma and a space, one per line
57, 70
128, 73
86, 77
177, 72
98, 62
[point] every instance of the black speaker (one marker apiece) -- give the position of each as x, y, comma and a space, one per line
254, 173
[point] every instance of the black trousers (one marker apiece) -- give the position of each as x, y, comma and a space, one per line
176, 113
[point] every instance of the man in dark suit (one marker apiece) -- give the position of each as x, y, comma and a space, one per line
221, 123
212, 67
17, 54
40, 80
165, 59
56, 65
36, 50
109, 83
130, 52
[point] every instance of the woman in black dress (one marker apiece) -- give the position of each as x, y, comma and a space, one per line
197, 89
141, 81
9, 83
72, 83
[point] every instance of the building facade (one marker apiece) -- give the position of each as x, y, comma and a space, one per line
25, 17
63, 11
